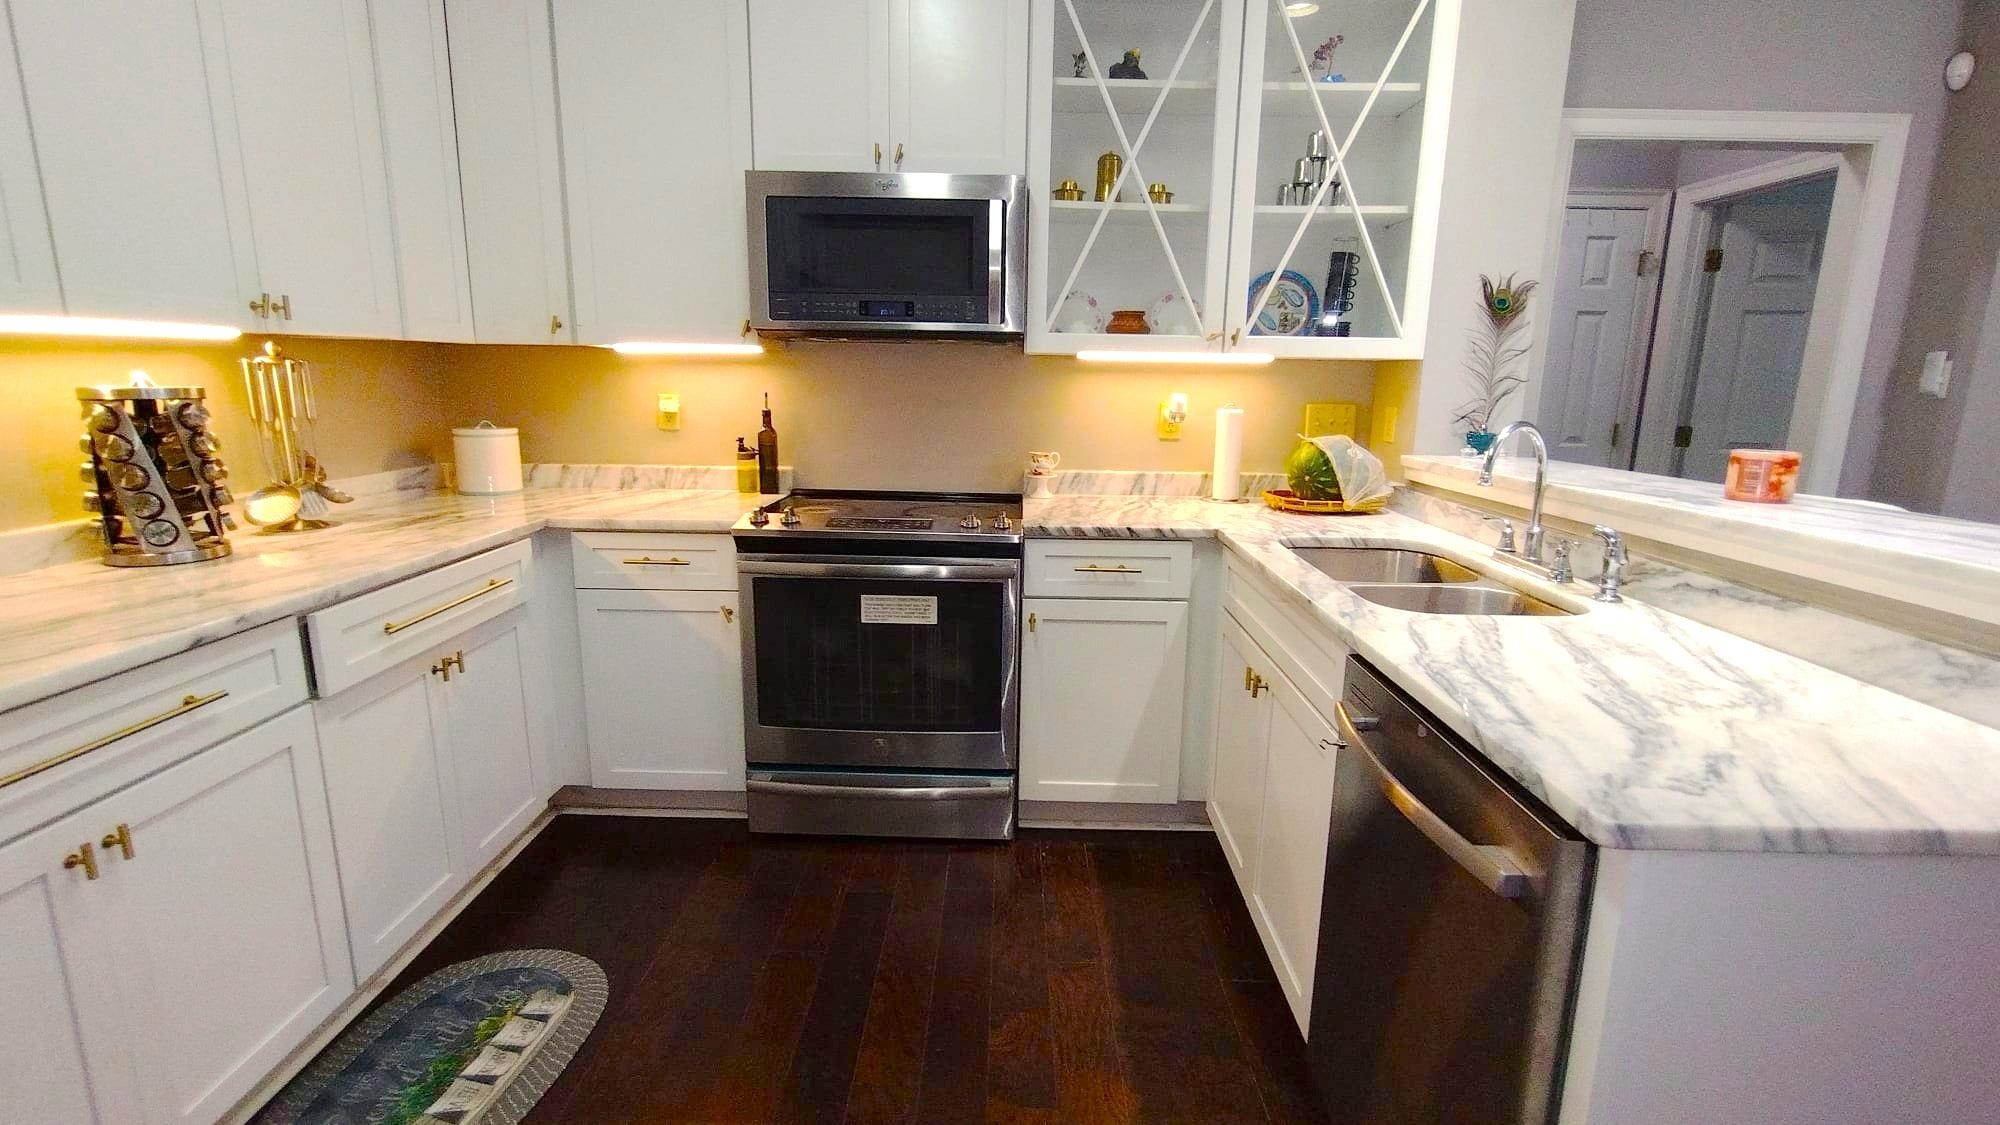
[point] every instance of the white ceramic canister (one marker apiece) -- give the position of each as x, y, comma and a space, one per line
488, 458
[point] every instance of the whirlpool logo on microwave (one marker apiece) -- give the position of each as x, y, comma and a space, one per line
886, 183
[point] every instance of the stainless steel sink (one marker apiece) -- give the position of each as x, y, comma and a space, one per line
1383, 564
1485, 600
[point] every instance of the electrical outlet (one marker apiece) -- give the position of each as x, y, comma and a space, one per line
1935, 380
670, 412
1324, 418
1173, 412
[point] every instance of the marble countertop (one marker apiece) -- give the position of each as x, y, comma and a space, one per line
1947, 565
1641, 728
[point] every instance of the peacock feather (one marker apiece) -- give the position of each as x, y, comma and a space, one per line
1493, 348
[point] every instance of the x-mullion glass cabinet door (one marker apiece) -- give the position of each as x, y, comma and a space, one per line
1158, 258
1339, 155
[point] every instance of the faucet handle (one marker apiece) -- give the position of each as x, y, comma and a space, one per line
1613, 575
1559, 569
1506, 544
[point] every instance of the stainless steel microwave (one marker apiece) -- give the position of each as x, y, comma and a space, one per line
866, 253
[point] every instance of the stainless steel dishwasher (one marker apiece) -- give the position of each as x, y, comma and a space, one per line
1449, 932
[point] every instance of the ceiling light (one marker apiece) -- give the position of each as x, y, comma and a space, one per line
1216, 359
684, 347
1297, 8
107, 328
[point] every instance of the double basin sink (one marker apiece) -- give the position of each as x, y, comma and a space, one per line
1420, 582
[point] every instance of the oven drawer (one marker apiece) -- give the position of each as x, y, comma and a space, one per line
618, 560
942, 806
1109, 568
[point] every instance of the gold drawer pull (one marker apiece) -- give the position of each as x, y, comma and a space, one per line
85, 857
393, 627
647, 560
1121, 568
188, 703
121, 839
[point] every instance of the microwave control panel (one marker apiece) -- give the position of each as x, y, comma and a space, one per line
920, 310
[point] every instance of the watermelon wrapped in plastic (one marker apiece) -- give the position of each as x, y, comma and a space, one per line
1336, 467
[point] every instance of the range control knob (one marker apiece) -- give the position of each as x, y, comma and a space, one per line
790, 518
1002, 523
759, 518
969, 523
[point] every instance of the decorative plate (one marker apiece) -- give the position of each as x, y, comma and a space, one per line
1080, 313
1290, 310
1171, 316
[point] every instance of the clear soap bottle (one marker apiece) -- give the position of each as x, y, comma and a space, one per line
746, 467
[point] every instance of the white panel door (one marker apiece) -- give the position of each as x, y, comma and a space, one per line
655, 104
63, 1056
27, 257
230, 916
420, 137
135, 166
503, 81
820, 85
302, 77
395, 816
1242, 731
1101, 692
958, 90
493, 736
662, 688
1759, 310
1597, 337
1291, 872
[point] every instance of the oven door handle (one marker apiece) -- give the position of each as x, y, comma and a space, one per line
1493, 866
910, 793
909, 570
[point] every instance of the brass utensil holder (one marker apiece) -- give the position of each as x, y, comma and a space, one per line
153, 481
285, 408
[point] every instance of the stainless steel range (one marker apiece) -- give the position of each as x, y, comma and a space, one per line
881, 667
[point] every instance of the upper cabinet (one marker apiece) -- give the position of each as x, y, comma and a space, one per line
890, 85
655, 102
1299, 156
420, 141
27, 259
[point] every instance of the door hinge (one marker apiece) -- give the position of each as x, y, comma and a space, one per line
1712, 263
1645, 262
1616, 429
1683, 436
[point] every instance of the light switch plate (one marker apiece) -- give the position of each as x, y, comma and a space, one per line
670, 412
1936, 378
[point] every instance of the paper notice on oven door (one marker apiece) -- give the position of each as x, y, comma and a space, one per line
898, 609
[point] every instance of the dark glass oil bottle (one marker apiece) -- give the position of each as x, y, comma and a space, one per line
767, 453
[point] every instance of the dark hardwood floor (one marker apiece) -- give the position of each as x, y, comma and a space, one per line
1067, 977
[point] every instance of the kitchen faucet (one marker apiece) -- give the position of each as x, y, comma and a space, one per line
1531, 539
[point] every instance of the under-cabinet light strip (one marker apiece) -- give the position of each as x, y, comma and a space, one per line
687, 347
109, 328
1215, 359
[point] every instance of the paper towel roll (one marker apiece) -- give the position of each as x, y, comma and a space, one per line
1226, 476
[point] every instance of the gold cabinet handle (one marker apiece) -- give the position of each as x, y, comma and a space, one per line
878, 154
391, 628
262, 306
555, 324
1256, 683
188, 703
899, 154
728, 615
1031, 623
1249, 677
85, 857
121, 840
444, 667
1121, 568
648, 560
282, 306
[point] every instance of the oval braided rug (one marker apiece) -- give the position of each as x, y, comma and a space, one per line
522, 1013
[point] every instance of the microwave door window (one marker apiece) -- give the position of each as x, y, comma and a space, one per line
849, 259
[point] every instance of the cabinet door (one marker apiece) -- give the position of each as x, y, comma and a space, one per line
1101, 691
495, 748
395, 817
302, 77
27, 257
62, 1046
656, 136
229, 916
1291, 871
413, 71
503, 82
132, 159
662, 688
1242, 732
958, 90
820, 83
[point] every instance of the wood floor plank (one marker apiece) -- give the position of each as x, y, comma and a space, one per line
1276, 1051
1072, 908
954, 1075
1091, 1084
888, 1070
822, 1071
1020, 1067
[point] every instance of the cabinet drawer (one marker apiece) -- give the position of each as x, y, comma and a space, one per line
362, 636
1109, 568
609, 560
71, 748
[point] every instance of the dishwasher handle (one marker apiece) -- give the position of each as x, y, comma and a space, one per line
1494, 866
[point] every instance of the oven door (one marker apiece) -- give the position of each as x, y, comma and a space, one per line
896, 663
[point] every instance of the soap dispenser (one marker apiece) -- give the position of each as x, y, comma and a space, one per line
746, 467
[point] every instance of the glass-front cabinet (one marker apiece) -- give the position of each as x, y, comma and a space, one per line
1236, 175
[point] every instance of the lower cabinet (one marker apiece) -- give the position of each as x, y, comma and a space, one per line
166, 946
1101, 698
431, 771
1271, 801
663, 688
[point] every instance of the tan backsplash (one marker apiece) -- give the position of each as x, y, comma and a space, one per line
877, 415
889, 415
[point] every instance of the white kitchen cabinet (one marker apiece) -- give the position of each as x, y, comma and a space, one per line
494, 745
890, 85
503, 84
1242, 738
28, 280
663, 688
420, 143
1291, 866
1101, 699
655, 105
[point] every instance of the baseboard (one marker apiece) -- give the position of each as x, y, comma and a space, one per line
1184, 816
585, 799
333, 1025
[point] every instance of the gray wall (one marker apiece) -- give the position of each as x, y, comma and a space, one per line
1876, 56
1943, 455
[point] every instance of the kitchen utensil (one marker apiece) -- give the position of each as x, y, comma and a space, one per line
1068, 190
1289, 310
1108, 167
153, 480
284, 406
1128, 322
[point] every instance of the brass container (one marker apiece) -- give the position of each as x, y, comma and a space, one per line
1158, 193
1069, 191
1108, 167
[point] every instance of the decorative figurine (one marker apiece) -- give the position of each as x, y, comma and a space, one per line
1079, 64
1322, 60
1128, 67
